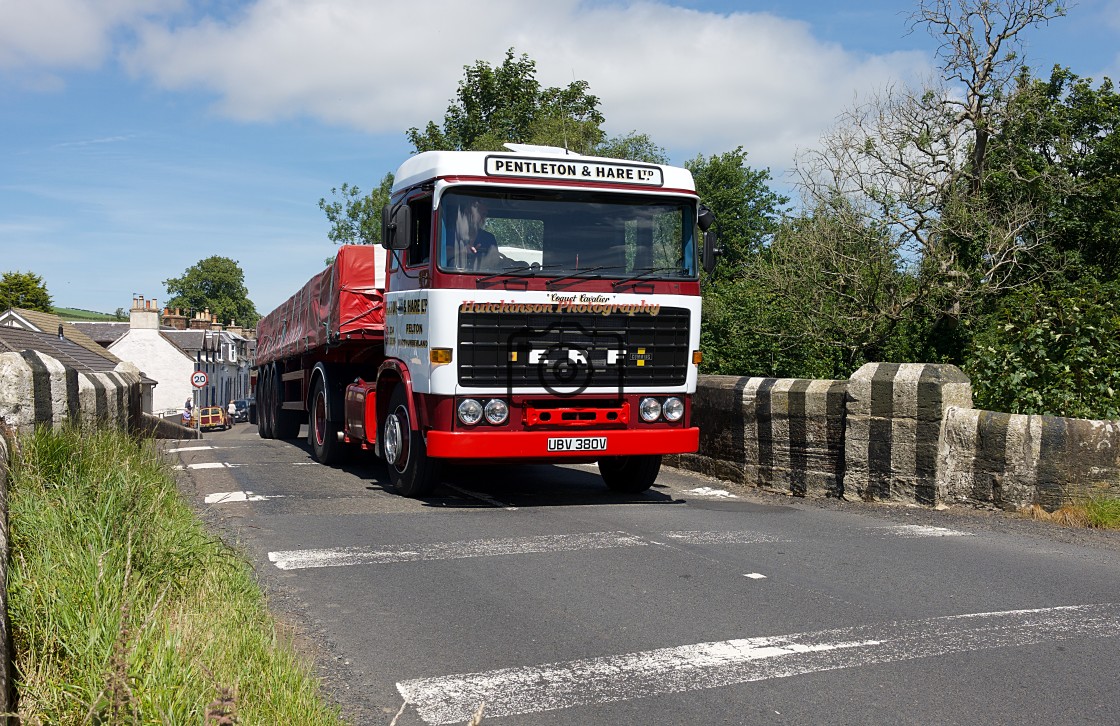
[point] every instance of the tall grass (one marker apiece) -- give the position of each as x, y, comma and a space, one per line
1095, 512
1103, 513
124, 610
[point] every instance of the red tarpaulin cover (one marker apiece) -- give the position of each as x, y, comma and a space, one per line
342, 300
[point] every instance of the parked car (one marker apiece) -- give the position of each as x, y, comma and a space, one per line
213, 417
241, 410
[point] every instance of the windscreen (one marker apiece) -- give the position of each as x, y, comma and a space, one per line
558, 233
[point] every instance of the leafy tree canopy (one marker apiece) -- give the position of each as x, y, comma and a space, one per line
747, 210
24, 290
218, 284
1060, 143
355, 217
505, 103
632, 146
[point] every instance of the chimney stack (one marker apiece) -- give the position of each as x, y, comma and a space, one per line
144, 314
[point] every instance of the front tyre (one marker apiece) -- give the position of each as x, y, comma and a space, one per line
411, 472
630, 474
322, 435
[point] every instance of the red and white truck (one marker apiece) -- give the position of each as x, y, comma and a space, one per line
530, 306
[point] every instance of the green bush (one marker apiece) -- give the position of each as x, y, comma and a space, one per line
1050, 350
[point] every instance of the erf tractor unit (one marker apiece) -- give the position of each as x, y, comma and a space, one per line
533, 306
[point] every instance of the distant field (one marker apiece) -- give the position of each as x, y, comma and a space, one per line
77, 314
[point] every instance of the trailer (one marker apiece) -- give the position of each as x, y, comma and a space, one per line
525, 306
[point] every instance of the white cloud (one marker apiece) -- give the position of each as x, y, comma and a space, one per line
60, 34
695, 81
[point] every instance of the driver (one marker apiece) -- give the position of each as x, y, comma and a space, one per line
478, 249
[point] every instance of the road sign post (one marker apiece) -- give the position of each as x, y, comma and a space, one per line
198, 380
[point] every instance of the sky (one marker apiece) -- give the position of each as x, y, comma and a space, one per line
138, 137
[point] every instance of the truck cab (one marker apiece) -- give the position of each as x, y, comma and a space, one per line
539, 306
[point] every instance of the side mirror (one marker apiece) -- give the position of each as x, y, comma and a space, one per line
705, 218
711, 251
396, 226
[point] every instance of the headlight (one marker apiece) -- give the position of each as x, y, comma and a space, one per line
673, 409
470, 411
649, 409
496, 411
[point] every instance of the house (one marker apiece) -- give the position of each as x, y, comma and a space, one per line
22, 330
170, 348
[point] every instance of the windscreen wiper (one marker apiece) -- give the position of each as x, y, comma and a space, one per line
644, 273
533, 269
581, 274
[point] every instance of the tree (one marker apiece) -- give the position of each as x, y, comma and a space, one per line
978, 51
24, 290
897, 212
506, 103
1053, 346
216, 284
355, 217
1061, 138
634, 147
739, 317
747, 210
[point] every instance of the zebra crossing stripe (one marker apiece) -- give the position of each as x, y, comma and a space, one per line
556, 686
345, 556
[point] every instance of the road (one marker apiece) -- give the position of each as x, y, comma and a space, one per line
552, 601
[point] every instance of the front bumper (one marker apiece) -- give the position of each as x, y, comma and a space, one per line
504, 445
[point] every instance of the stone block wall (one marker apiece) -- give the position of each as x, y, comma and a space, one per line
780, 433
37, 389
893, 423
1012, 461
903, 433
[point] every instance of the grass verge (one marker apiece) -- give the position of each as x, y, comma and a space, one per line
1099, 513
125, 610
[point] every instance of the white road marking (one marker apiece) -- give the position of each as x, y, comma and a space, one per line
555, 686
189, 448
755, 576
345, 556
711, 492
338, 557
739, 537
922, 530
245, 496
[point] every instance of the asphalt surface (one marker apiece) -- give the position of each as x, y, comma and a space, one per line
537, 592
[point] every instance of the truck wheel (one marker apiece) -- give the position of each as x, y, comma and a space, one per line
411, 472
264, 401
630, 474
322, 435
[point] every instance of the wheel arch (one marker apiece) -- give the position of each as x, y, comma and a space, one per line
336, 394
394, 372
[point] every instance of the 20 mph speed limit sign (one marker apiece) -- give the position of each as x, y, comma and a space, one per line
198, 379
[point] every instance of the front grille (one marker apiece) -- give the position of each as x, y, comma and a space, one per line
569, 352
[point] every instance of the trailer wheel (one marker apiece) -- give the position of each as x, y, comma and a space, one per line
322, 434
411, 472
285, 423
630, 474
264, 403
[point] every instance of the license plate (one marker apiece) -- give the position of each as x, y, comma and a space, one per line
577, 443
